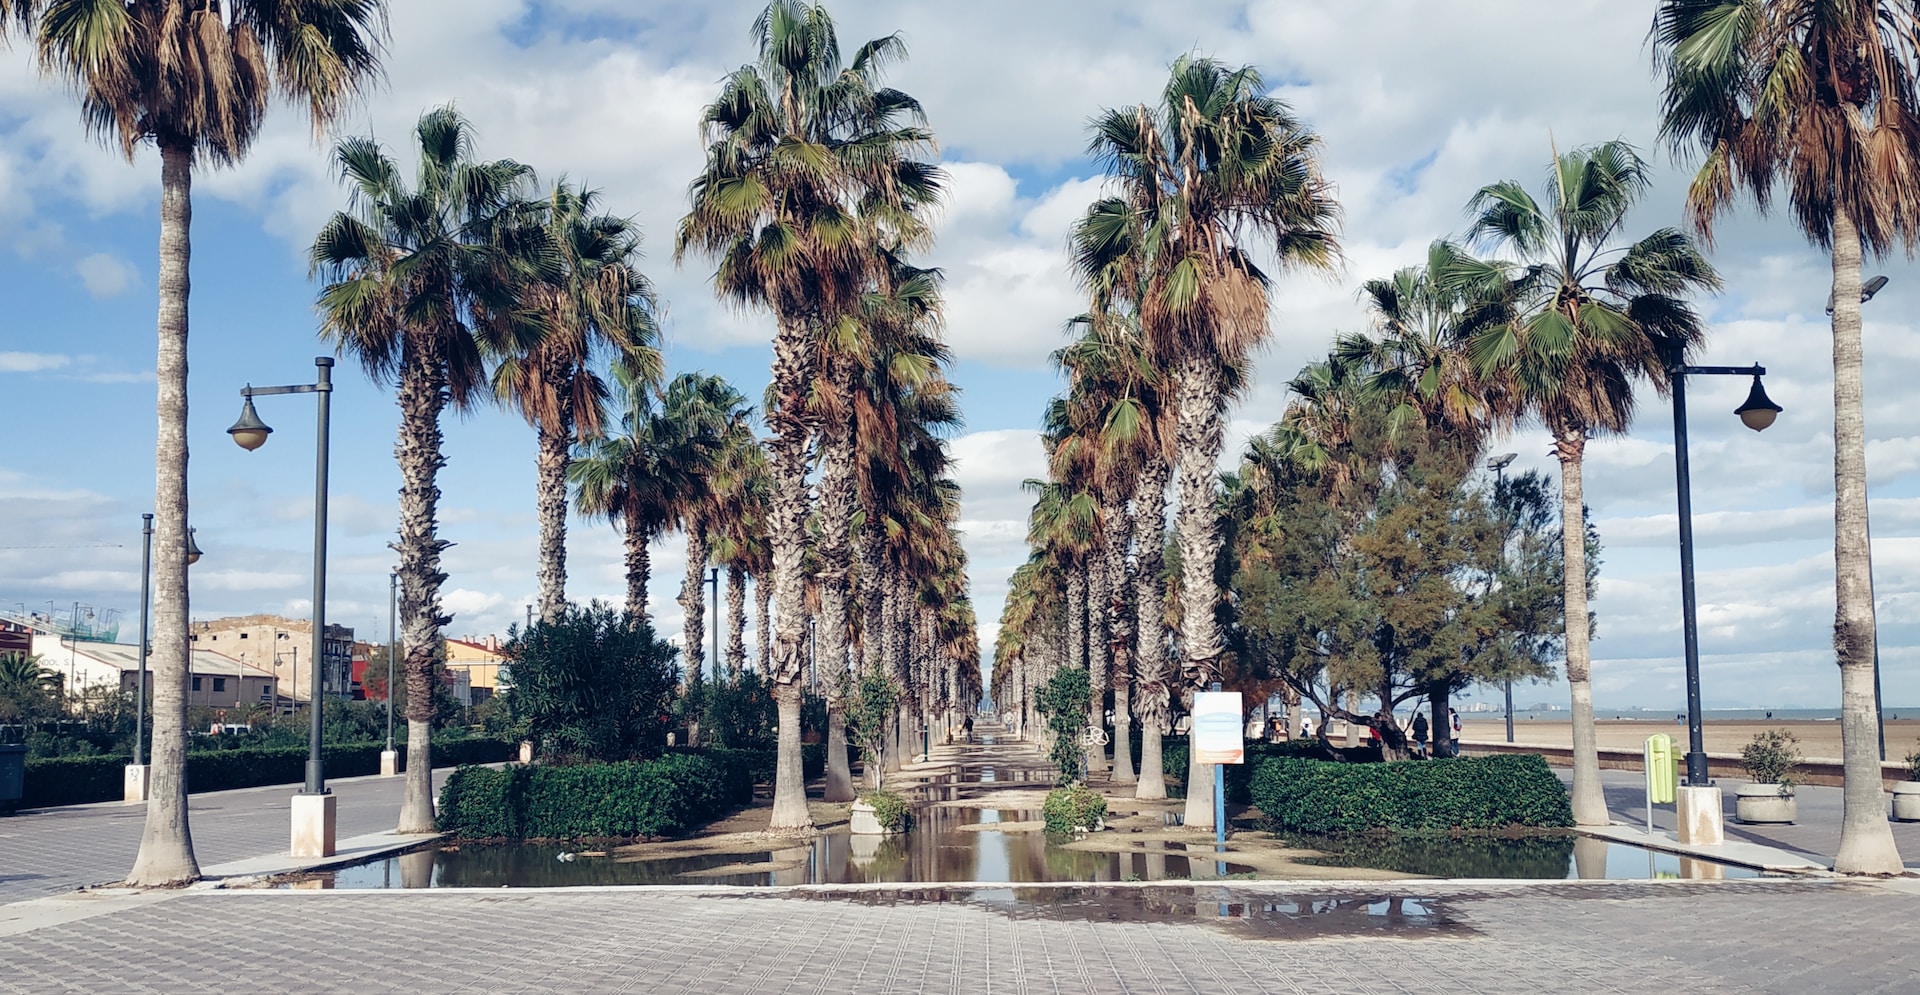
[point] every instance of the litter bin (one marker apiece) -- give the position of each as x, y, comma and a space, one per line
13, 776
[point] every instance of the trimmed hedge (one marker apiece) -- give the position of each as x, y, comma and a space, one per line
1494, 792
79, 780
663, 797
1173, 763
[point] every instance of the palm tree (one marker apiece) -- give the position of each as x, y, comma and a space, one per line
1591, 316
420, 278
1213, 172
1819, 96
587, 301
741, 502
623, 479
28, 691
702, 424
194, 79
805, 154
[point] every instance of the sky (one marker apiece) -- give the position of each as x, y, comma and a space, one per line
1419, 103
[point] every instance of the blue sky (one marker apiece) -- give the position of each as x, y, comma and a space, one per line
1419, 104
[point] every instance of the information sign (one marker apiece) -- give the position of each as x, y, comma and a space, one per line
1218, 728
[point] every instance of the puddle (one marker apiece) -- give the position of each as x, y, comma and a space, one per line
946, 845
1551, 858
1255, 915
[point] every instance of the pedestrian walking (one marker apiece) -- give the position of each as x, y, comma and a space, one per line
1420, 734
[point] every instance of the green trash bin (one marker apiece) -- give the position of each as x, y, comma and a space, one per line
13, 776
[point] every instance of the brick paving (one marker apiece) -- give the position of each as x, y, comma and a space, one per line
56, 850
1628, 938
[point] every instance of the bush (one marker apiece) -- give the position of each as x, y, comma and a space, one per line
1411, 796
1772, 758
79, 780
1173, 762
1073, 809
592, 684
889, 809
652, 798
1913, 766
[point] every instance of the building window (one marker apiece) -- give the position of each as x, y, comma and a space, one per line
214, 639
196, 684
219, 684
243, 635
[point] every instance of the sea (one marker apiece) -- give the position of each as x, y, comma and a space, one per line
1707, 715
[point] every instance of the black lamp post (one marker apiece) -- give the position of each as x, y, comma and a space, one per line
1757, 413
251, 433
1498, 464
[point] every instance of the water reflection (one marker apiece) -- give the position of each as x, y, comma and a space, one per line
1549, 858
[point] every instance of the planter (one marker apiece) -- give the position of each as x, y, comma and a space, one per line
1906, 801
1757, 803
863, 822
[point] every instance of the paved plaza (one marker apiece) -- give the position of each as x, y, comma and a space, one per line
1462, 938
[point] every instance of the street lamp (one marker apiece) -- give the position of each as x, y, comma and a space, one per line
193, 548
713, 577
1757, 413
393, 625
1498, 464
313, 808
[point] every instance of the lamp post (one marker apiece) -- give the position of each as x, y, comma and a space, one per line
393, 625
713, 578
314, 802
1757, 413
140, 701
1498, 465
1867, 290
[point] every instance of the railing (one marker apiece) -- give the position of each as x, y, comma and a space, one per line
1817, 770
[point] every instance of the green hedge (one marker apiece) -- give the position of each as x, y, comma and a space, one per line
79, 780
1173, 763
1494, 792
663, 797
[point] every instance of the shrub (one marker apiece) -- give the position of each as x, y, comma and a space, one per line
1073, 809
663, 797
1411, 796
80, 780
889, 809
592, 684
869, 708
1913, 766
1773, 757
1174, 756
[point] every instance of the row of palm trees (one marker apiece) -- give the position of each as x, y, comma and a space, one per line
1558, 325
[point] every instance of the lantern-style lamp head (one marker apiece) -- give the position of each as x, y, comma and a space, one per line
193, 548
250, 432
1759, 411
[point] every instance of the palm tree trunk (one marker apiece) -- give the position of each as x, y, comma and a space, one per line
423, 394
836, 562
872, 552
1866, 840
550, 471
736, 621
693, 602
1589, 802
1097, 595
787, 534
1149, 610
763, 622
1199, 435
1120, 636
639, 562
166, 842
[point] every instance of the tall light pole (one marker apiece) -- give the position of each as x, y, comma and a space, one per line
1757, 413
140, 701
713, 577
251, 433
1867, 290
393, 624
1498, 465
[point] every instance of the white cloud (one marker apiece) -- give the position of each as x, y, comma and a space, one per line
32, 362
105, 275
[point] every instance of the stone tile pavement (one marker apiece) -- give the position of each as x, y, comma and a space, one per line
1661, 938
56, 850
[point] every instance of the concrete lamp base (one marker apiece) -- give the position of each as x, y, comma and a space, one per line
1701, 820
139, 779
313, 824
389, 763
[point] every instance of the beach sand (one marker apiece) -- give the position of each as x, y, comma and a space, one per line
1818, 739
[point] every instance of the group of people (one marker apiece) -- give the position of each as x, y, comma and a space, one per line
1416, 731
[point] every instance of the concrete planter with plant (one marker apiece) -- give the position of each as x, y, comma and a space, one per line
1772, 761
1906, 794
880, 813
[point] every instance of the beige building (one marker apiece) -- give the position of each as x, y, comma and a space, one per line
283, 646
216, 681
480, 660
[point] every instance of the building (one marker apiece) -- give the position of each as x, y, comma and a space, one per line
481, 661
285, 647
215, 680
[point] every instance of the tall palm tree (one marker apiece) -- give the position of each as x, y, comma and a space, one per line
1214, 172
194, 80
587, 302
1592, 315
1818, 97
741, 500
421, 280
624, 479
702, 425
804, 152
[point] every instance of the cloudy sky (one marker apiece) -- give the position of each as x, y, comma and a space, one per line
1420, 103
